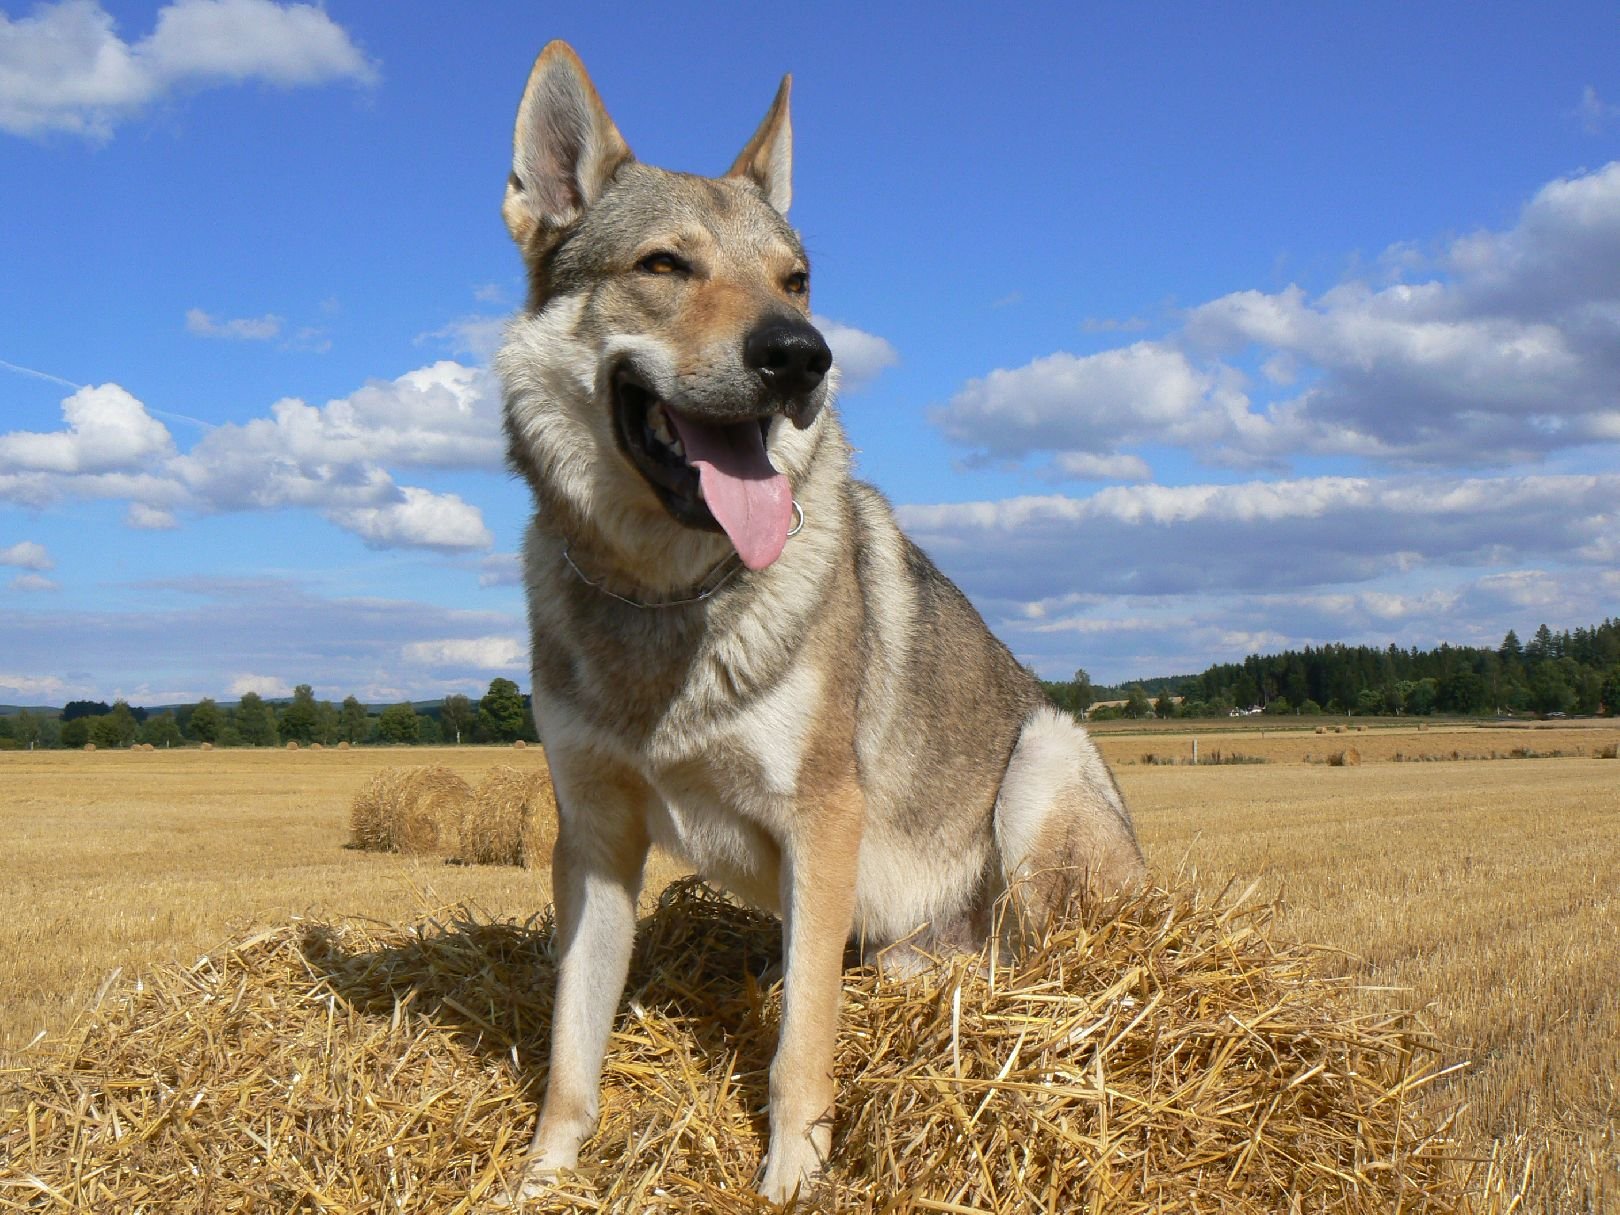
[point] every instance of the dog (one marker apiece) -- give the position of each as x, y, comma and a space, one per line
737, 654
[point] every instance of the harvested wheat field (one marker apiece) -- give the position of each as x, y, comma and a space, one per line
1185, 1056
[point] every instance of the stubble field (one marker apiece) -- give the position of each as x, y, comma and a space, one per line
1482, 891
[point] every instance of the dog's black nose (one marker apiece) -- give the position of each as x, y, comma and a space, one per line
790, 356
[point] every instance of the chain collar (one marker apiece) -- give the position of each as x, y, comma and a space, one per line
711, 582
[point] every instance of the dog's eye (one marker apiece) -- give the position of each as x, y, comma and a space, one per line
662, 263
796, 283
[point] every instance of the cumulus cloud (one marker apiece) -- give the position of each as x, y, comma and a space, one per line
27, 555
1508, 351
32, 582
859, 356
500, 653
65, 67
418, 518
329, 458
268, 686
107, 431
243, 329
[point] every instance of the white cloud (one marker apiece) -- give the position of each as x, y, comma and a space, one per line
65, 68
1594, 113
418, 519
243, 329
1262, 536
268, 686
501, 569
42, 689
107, 431
27, 555
859, 356
1508, 352
501, 653
146, 518
329, 459
32, 582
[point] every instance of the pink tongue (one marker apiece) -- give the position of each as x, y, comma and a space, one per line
747, 497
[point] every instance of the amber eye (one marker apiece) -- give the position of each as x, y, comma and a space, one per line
796, 283
662, 263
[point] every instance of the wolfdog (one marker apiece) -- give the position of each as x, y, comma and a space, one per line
737, 655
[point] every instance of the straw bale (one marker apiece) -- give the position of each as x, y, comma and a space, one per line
410, 810
343, 745
89, 746
518, 744
292, 744
1171, 1057
208, 746
511, 818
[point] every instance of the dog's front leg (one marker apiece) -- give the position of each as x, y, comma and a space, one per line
595, 876
818, 906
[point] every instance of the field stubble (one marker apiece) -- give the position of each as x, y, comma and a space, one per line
1484, 890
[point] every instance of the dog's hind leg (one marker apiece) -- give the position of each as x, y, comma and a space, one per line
1061, 826
596, 875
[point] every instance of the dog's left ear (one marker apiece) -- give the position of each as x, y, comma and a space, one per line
768, 158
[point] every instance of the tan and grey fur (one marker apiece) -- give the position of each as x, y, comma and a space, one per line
835, 737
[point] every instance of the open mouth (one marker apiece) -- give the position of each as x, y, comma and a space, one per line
710, 475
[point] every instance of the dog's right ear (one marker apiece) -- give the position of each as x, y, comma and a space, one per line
565, 148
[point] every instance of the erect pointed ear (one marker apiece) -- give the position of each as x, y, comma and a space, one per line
768, 158
565, 148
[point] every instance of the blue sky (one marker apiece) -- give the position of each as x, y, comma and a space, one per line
1174, 333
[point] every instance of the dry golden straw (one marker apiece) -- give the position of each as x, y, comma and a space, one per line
1172, 1057
510, 819
410, 810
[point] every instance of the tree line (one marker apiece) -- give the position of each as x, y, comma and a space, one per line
502, 715
1572, 672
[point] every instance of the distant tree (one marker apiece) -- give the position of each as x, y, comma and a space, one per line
457, 718
161, 730
76, 733
1550, 690
1510, 651
354, 724
1084, 694
1610, 692
1165, 706
1419, 696
1136, 703
1309, 708
114, 729
1278, 705
399, 724
1369, 702
25, 728
428, 731
501, 716
255, 722
75, 709
326, 723
206, 721
300, 718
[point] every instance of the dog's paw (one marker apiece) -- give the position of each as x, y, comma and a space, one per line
781, 1182
538, 1181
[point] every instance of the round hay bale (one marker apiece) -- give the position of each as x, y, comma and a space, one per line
519, 744
1321, 729
344, 745
208, 746
511, 819
410, 810
1352, 758
89, 746
292, 744
1173, 1057
316, 747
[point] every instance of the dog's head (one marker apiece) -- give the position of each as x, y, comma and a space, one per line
668, 319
